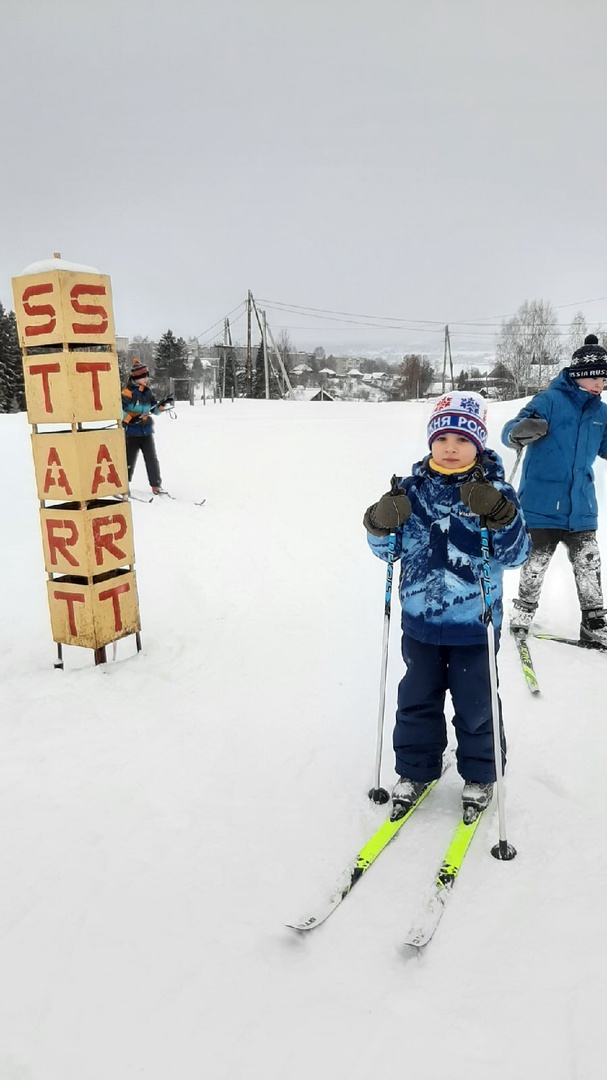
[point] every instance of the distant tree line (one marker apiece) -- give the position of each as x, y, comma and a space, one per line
12, 389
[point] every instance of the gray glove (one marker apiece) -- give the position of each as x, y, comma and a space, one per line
486, 501
527, 431
386, 515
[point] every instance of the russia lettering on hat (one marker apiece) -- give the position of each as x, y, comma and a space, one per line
463, 412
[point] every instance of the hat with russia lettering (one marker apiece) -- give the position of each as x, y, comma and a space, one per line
463, 412
590, 360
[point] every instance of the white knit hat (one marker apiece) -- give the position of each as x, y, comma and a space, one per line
461, 411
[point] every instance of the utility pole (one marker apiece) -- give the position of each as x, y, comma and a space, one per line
266, 368
249, 362
265, 331
285, 375
450, 357
447, 351
225, 357
228, 333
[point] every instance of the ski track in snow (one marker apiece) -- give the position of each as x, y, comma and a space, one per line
165, 815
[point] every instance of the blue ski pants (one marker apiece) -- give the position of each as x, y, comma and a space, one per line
420, 734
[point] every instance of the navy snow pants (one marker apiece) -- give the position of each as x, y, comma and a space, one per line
420, 734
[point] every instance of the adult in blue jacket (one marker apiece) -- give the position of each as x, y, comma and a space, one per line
564, 429
431, 522
138, 405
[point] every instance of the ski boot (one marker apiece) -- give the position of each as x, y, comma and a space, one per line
521, 618
159, 490
405, 794
593, 629
475, 799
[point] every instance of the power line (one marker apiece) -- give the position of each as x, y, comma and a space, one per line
220, 322
408, 323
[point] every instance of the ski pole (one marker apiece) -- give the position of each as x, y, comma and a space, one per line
378, 793
502, 850
519, 454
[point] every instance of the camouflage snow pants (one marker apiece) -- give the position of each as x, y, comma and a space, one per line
584, 556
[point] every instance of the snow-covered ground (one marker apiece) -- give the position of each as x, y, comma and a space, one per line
164, 816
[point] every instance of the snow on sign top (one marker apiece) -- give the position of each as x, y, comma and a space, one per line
57, 264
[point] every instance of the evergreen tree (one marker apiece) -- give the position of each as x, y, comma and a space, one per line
259, 377
230, 378
197, 369
171, 362
12, 387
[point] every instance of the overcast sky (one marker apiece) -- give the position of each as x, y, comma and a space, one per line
428, 161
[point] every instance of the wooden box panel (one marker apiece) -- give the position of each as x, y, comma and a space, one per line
71, 388
57, 306
87, 542
81, 465
93, 615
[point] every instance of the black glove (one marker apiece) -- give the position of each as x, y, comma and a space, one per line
386, 515
486, 501
167, 402
527, 431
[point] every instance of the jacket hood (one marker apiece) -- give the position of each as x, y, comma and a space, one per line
563, 381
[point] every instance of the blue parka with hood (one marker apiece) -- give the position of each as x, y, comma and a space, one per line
557, 481
440, 551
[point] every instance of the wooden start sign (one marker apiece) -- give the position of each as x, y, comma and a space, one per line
66, 331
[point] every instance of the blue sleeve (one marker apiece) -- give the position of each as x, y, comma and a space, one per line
603, 446
539, 407
380, 545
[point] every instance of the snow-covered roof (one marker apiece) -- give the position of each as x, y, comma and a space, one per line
326, 371
299, 393
354, 371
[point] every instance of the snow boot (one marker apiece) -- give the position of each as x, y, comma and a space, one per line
404, 794
593, 628
475, 799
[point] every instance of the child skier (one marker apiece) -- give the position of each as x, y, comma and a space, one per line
564, 428
138, 404
434, 515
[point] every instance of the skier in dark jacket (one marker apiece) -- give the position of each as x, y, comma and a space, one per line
564, 429
138, 404
434, 516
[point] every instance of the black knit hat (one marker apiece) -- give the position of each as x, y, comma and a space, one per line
590, 360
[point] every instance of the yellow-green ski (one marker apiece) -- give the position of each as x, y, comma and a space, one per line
443, 884
365, 858
520, 636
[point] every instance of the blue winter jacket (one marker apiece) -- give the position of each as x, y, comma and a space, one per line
440, 551
137, 408
557, 481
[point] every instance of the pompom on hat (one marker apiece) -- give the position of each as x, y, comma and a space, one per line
590, 360
462, 412
139, 371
